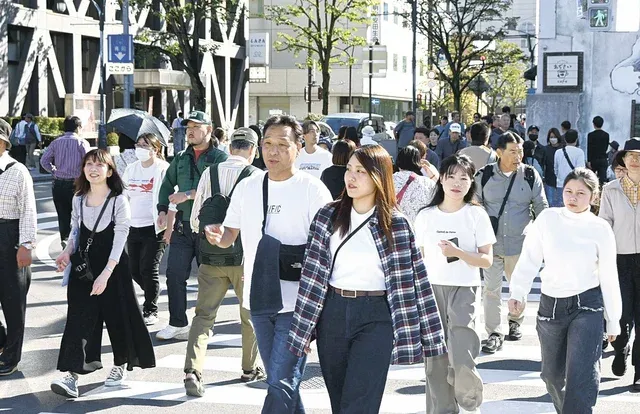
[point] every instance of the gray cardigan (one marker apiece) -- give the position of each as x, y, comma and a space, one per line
624, 218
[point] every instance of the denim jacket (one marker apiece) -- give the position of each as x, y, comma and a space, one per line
416, 323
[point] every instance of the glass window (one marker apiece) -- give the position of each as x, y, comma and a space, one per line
395, 15
385, 12
395, 62
404, 64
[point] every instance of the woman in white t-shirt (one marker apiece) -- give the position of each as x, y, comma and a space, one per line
580, 288
457, 240
413, 190
145, 243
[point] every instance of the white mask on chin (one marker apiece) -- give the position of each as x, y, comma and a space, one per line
143, 154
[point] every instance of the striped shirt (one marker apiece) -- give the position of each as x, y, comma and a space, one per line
228, 173
17, 199
416, 323
63, 157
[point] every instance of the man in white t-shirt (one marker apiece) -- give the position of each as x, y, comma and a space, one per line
293, 199
312, 158
568, 158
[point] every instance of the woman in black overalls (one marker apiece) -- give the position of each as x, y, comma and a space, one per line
100, 214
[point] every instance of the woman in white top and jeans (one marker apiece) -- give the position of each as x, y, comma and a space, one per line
413, 190
145, 243
579, 289
457, 240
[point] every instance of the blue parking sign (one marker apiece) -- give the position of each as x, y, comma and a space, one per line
120, 48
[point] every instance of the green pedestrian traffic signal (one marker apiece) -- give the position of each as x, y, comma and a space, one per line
599, 18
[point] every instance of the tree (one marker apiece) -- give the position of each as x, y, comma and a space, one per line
183, 41
508, 86
461, 32
326, 29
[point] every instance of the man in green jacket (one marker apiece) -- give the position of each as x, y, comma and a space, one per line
184, 172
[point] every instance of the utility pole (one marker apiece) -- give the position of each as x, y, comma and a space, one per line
102, 128
430, 57
128, 79
414, 18
371, 79
309, 71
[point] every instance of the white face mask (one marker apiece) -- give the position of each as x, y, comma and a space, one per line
143, 154
553, 141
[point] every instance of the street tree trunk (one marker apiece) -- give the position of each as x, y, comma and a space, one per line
326, 81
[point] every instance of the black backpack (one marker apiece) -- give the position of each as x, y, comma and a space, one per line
487, 173
7, 167
214, 211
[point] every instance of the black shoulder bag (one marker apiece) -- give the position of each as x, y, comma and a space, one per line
290, 257
80, 259
495, 220
346, 239
566, 156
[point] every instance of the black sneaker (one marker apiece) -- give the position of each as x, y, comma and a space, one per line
635, 387
514, 331
605, 342
494, 344
257, 374
619, 365
193, 385
3, 337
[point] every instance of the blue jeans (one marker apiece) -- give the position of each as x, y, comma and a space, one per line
355, 341
570, 331
182, 250
554, 196
284, 369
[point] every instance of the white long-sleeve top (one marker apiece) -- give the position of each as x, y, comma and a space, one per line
579, 253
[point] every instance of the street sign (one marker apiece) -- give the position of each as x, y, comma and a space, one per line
377, 55
120, 49
431, 84
375, 23
375, 102
259, 46
119, 69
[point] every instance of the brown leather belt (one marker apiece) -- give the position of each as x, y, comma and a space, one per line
358, 293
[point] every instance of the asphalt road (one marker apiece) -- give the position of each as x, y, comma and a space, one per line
512, 382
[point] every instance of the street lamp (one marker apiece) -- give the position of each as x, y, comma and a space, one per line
102, 129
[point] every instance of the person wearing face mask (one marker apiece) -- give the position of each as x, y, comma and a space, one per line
145, 242
313, 159
539, 151
550, 181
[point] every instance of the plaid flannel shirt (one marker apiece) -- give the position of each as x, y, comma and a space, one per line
416, 322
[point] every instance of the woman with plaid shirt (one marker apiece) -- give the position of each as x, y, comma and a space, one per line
364, 292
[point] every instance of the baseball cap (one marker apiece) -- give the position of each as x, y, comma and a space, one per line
327, 142
368, 131
198, 117
532, 127
245, 134
5, 132
455, 127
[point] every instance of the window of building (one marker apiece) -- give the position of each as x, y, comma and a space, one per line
404, 64
385, 12
256, 8
395, 15
395, 62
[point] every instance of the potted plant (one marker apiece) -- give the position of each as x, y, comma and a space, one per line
112, 143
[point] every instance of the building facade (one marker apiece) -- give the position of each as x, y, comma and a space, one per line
49, 54
392, 95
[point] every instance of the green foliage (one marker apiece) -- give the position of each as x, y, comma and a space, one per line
112, 139
327, 30
463, 32
508, 87
46, 125
313, 117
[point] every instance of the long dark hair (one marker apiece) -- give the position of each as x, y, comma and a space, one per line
450, 166
351, 134
408, 159
556, 134
377, 162
114, 182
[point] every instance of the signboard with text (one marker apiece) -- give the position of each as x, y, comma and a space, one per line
259, 46
375, 24
563, 72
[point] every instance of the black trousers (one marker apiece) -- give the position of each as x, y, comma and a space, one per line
145, 253
14, 285
629, 276
599, 167
62, 192
19, 153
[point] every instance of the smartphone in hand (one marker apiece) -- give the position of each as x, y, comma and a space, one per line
453, 259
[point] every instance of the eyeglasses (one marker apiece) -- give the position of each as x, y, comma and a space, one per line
632, 156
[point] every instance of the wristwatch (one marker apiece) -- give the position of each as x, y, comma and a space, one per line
188, 194
27, 245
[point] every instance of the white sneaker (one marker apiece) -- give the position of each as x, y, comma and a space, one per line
172, 332
150, 319
116, 376
67, 386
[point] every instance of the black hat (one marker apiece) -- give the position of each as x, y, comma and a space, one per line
614, 145
632, 144
532, 127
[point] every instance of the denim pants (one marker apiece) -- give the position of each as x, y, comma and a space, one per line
62, 193
554, 196
629, 276
145, 249
355, 341
183, 248
570, 331
284, 369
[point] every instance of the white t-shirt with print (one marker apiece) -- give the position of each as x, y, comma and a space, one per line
315, 163
139, 190
293, 204
472, 227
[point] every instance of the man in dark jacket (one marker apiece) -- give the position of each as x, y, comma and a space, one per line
184, 172
539, 152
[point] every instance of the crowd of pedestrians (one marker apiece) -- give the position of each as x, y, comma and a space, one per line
377, 260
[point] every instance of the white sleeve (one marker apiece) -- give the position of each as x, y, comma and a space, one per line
484, 229
530, 260
420, 227
202, 193
609, 284
319, 198
233, 219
